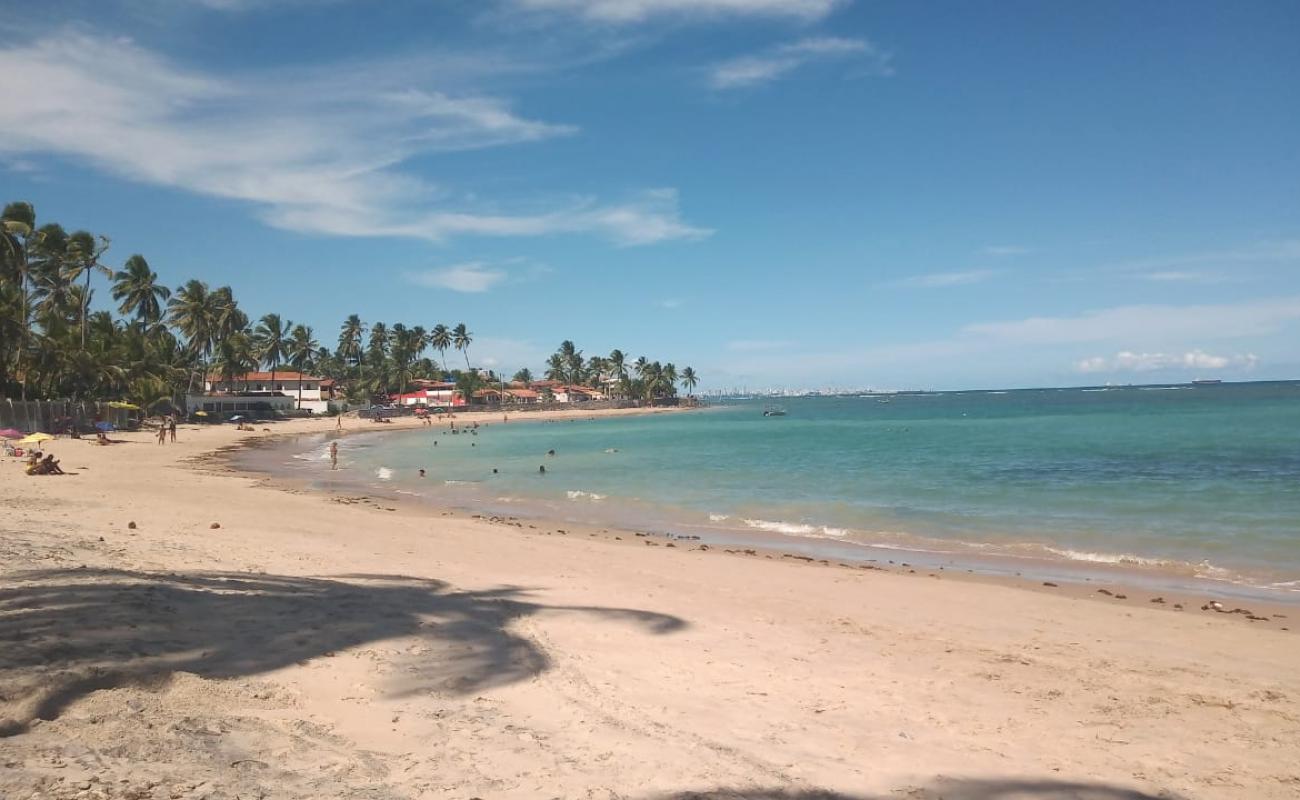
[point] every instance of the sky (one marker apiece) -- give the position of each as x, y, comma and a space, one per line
778, 193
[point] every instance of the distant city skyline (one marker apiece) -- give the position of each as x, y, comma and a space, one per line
795, 193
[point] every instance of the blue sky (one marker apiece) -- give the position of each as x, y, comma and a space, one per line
776, 192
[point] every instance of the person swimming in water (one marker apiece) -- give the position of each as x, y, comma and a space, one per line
541, 469
421, 473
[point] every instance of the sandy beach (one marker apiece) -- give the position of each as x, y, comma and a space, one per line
172, 629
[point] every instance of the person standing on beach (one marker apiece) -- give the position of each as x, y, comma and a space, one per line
334, 455
339, 418
171, 429
162, 432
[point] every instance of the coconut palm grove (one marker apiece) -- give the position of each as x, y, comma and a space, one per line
60, 338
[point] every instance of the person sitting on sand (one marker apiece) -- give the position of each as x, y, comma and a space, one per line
51, 465
101, 438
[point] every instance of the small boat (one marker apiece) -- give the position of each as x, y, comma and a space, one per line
1206, 381
774, 411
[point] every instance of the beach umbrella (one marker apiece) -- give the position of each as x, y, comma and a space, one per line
35, 438
105, 426
11, 433
237, 418
200, 413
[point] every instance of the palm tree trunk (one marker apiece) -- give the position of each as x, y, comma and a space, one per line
85, 307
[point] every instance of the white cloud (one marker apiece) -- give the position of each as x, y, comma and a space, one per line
757, 345
1149, 323
751, 70
625, 11
316, 151
942, 280
1128, 361
470, 277
671, 303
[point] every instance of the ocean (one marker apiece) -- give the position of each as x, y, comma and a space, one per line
1198, 481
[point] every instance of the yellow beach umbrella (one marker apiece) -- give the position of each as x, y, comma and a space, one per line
200, 413
35, 438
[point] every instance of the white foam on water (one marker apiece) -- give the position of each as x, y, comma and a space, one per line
1108, 558
719, 517
796, 528
384, 474
580, 495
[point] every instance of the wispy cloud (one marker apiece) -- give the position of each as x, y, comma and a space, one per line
470, 277
1006, 250
752, 70
627, 11
671, 303
1147, 323
1286, 251
1128, 361
315, 151
1183, 276
943, 280
757, 345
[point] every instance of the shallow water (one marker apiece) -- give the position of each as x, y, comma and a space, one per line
1198, 480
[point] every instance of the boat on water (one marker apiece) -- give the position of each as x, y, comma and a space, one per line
1206, 381
774, 411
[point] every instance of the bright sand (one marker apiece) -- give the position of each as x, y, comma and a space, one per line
316, 646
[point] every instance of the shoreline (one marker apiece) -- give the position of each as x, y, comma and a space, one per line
174, 628
1177, 590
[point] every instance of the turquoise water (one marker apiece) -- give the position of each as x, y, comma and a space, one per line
1202, 479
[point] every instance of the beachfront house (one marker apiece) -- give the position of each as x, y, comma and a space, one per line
430, 394
576, 394
524, 397
256, 391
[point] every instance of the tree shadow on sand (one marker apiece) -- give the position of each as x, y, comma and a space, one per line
944, 789
66, 633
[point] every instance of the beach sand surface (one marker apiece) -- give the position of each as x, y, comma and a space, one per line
172, 629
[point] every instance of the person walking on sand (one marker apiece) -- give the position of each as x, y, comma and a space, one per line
339, 421
162, 432
171, 429
334, 455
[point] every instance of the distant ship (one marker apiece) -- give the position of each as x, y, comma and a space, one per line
1206, 381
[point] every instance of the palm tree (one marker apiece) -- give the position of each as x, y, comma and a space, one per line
641, 366
272, 342
84, 250
441, 340
194, 311
228, 318
555, 367
377, 348
18, 223
350, 334
235, 356
460, 337
690, 380
138, 292
669, 375
302, 353
524, 376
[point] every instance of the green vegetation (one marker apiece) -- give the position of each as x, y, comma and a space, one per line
53, 345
